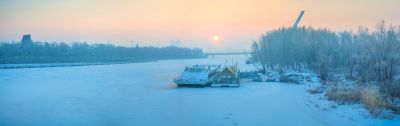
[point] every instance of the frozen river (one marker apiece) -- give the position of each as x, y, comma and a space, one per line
141, 94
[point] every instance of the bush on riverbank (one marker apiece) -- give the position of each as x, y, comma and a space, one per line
369, 96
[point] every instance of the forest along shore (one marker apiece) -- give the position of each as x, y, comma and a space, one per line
44, 54
44, 65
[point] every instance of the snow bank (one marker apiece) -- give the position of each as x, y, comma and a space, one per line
143, 94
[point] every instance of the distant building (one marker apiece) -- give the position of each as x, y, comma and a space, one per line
26, 40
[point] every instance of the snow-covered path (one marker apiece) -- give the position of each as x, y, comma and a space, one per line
142, 94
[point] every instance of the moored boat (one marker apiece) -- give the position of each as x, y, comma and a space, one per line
197, 75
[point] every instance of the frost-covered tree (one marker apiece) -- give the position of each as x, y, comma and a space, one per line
44, 52
370, 57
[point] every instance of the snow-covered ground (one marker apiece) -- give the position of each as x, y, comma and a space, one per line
141, 94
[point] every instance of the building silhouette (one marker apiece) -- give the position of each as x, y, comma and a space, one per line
26, 40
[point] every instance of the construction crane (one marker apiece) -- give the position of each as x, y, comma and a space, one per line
298, 19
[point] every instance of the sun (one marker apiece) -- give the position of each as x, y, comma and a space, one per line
216, 37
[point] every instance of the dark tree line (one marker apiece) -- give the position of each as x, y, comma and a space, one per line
370, 57
44, 52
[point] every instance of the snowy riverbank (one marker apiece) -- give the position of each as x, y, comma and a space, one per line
144, 94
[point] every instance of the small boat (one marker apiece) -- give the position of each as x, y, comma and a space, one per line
197, 75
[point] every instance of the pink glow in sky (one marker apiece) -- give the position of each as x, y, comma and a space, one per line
193, 22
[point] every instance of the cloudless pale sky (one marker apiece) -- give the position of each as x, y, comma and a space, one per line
193, 22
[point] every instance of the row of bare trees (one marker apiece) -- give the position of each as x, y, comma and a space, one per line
371, 57
44, 52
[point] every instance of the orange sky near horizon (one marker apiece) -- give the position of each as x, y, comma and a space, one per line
193, 22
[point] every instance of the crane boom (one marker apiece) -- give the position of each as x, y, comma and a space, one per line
298, 19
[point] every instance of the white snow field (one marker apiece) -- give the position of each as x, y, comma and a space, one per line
143, 94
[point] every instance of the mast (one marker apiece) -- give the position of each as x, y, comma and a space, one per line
298, 19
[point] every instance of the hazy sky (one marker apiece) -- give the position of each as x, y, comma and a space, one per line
194, 22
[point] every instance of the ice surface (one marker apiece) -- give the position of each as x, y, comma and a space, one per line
141, 94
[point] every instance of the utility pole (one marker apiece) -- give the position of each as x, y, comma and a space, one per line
298, 19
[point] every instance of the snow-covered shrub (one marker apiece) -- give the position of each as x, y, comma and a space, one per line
343, 95
394, 90
287, 78
317, 90
371, 98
